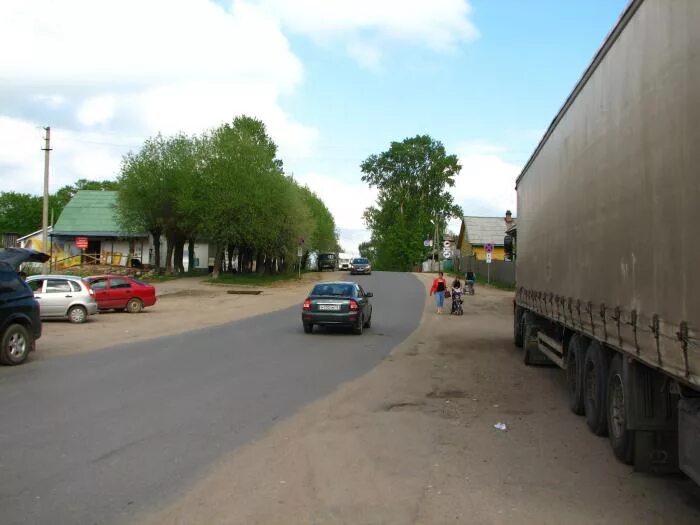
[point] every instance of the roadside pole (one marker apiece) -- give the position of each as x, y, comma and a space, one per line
489, 249
299, 254
45, 211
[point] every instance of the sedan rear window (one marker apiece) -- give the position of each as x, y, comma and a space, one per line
335, 289
360, 260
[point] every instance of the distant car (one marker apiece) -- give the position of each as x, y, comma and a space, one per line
63, 296
337, 303
360, 265
327, 261
344, 264
119, 292
20, 323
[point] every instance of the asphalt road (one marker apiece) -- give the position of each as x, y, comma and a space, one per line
96, 437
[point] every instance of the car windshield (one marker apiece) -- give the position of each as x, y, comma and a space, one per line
326, 256
361, 260
333, 289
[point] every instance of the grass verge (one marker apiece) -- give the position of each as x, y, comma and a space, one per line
252, 279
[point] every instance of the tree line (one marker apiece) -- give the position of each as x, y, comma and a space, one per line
226, 187
413, 178
21, 213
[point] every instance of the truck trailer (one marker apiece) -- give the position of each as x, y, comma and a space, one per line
608, 259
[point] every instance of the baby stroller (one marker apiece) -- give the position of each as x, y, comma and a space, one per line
457, 303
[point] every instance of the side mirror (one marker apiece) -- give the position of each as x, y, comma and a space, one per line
369, 294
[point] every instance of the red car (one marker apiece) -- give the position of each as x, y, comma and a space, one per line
119, 292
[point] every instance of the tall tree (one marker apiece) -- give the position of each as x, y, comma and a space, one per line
413, 177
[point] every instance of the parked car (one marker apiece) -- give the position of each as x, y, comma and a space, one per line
20, 323
337, 303
360, 265
119, 292
344, 264
63, 297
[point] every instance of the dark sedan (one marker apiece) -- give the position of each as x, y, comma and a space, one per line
360, 265
337, 303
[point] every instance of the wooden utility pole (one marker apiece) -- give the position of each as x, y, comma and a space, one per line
45, 214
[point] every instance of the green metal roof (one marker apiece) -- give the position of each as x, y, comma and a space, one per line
91, 212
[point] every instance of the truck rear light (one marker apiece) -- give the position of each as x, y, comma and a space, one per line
353, 306
307, 305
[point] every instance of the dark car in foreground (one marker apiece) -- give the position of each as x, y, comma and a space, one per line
20, 324
360, 265
119, 292
337, 303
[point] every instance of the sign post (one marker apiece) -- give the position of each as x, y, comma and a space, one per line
489, 250
300, 252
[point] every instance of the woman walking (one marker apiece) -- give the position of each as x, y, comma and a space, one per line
438, 288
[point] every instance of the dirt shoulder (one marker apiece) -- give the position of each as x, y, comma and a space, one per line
413, 441
182, 305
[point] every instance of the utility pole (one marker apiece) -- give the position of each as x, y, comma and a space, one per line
45, 214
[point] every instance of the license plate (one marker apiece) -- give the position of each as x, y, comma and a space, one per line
329, 307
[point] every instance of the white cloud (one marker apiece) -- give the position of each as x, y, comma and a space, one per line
486, 184
97, 110
132, 69
440, 25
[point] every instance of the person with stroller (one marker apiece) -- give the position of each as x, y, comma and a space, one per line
469, 280
457, 297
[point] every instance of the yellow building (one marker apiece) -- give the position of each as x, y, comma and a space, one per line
476, 232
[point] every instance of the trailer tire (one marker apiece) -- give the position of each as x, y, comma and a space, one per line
621, 438
529, 340
574, 373
518, 328
595, 381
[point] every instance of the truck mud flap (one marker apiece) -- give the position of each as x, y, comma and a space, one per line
689, 438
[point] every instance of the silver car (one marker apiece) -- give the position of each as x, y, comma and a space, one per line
63, 296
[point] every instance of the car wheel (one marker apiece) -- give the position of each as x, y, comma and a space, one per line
308, 328
368, 323
77, 314
134, 306
359, 327
16, 343
518, 316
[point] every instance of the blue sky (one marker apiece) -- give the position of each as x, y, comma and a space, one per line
335, 81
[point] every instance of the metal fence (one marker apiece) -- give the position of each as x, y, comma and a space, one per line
501, 271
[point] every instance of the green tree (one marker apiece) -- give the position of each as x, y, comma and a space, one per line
413, 177
20, 212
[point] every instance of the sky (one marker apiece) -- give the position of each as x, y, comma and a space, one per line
334, 81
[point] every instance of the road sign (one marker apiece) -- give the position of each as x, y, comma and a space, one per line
488, 247
447, 254
81, 242
300, 251
488, 257
427, 243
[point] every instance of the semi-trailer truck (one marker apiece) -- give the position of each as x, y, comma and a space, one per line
607, 250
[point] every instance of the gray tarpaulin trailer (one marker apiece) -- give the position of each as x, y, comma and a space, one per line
608, 258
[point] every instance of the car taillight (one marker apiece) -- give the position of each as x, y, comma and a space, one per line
353, 306
91, 291
307, 305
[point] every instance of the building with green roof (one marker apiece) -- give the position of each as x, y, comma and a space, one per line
91, 218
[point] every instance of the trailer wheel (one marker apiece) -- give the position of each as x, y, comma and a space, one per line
518, 318
529, 340
621, 439
595, 379
574, 373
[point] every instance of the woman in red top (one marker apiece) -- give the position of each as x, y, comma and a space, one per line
438, 288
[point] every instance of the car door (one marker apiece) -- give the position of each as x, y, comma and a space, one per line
56, 297
119, 291
99, 286
37, 287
